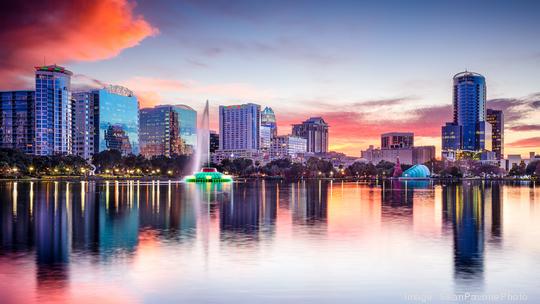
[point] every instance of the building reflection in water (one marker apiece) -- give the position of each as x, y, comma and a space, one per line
103, 221
309, 202
397, 200
53, 233
464, 208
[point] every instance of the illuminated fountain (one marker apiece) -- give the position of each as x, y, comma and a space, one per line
201, 158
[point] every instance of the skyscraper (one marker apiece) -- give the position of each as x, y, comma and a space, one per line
496, 119
102, 118
53, 111
239, 127
315, 130
187, 123
469, 129
214, 141
159, 131
268, 119
470, 108
17, 128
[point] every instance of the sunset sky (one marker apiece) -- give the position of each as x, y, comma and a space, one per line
365, 67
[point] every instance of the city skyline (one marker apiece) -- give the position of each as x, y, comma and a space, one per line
348, 72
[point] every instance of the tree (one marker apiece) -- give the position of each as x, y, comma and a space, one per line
107, 159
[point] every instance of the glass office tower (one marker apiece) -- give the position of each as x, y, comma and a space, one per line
53, 111
496, 119
268, 119
106, 119
470, 109
159, 132
187, 121
17, 130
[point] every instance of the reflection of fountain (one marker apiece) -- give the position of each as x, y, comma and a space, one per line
202, 155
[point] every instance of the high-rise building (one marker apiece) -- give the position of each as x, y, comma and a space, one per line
268, 119
266, 138
187, 122
397, 140
496, 119
17, 128
53, 111
469, 131
105, 119
451, 137
214, 141
288, 146
239, 127
315, 131
470, 107
159, 131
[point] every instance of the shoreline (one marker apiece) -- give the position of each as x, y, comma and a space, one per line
245, 179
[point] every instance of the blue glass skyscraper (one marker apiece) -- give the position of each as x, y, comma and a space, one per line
104, 119
53, 110
187, 120
469, 130
470, 109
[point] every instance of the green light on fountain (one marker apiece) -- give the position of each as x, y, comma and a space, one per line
208, 175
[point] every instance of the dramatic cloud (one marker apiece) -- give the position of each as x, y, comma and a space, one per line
532, 142
64, 31
525, 128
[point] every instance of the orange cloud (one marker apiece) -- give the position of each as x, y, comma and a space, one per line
64, 31
531, 142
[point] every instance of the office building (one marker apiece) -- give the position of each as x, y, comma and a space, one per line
315, 131
239, 128
397, 140
288, 146
105, 119
496, 119
159, 131
400, 145
266, 138
214, 141
268, 119
53, 120
187, 123
469, 117
17, 130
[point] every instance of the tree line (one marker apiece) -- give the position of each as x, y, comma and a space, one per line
14, 163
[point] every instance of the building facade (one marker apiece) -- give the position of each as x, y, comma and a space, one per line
400, 145
397, 140
105, 119
496, 119
239, 127
53, 121
214, 141
159, 132
17, 117
288, 146
469, 117
187, 124
268, 119
266, 138
315, 131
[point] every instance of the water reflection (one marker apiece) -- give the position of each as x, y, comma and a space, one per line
61, 225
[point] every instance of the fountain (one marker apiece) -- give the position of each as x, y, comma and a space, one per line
201, 158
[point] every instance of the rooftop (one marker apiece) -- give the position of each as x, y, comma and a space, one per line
53, 68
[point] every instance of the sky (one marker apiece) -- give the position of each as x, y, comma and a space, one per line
366, 67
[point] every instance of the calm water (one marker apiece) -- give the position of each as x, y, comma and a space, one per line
258, 242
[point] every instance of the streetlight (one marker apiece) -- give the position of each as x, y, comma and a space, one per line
170, 172
30, 168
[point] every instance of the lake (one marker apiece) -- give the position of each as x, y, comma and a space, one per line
267, 242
